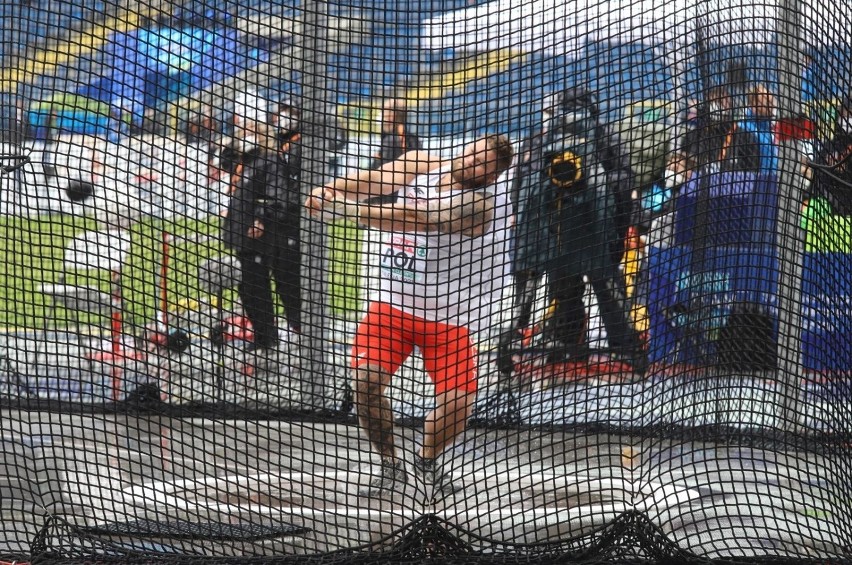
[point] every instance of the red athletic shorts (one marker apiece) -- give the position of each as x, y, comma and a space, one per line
387, 336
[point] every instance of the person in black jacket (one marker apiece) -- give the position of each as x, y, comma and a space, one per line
396, 137
396, 140
261, 225
709, 143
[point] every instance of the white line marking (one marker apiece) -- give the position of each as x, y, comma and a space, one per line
623, 492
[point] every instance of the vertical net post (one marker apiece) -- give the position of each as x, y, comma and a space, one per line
789, 234
309, 60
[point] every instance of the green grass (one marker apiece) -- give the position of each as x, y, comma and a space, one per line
32, 255
345, 240
141, 275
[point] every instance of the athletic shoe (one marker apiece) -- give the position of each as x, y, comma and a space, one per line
445, 485
425, 469
439, 481
391, 479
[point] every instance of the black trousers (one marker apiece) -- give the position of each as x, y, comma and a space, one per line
255, 290
569, 321
568, 324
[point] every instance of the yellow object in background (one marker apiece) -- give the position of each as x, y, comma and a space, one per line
630, 263
824, 231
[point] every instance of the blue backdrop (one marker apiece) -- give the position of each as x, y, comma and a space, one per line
691, 294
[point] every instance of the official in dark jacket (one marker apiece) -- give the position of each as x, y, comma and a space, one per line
261, 226
396, 140
396, 137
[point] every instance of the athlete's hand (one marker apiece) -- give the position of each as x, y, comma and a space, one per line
319, 198
339, 208
328, 205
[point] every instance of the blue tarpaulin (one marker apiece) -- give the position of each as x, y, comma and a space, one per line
689, 305
149, 67
694, 285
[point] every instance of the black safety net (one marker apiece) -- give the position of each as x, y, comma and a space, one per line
428, 280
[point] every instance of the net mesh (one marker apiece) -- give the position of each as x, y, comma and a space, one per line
447, 280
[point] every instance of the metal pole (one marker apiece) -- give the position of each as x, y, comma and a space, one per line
789, 234
309, 68
701, 320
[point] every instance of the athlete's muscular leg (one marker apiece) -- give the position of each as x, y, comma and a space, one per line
373, 407
446, 421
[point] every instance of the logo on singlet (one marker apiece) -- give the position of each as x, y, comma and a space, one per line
399, 259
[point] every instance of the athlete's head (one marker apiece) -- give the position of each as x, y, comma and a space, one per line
481, 162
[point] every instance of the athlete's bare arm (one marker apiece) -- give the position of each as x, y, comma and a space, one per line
388, 178
468, 213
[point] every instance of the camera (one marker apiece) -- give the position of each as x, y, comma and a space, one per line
568, 150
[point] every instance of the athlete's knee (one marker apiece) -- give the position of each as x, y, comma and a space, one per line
369, 381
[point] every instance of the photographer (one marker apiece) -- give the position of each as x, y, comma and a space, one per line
833, 179
573, 216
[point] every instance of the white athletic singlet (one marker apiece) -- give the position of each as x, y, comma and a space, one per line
448, 278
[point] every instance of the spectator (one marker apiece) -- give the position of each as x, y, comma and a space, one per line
833, 175
261, 225
756, 148
657, 199
396, 139
232, 151
693, 114
326, 128
722, 142
707, 143
286, 122
285, 118
201, 128
660, 212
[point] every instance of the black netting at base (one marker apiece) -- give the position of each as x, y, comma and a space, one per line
193, 530
553, 506
628, 538
448, 281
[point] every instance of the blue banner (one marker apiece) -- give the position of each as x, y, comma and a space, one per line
741, 209
691, 299
150, 67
